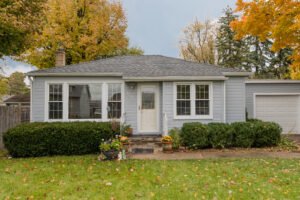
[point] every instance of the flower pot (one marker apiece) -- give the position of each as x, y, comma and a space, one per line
111, 154
167, 146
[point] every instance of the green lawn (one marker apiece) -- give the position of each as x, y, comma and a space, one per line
83, 177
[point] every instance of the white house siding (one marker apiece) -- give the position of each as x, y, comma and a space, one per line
131, 107
38, 99
268, 88
168, 105
235, 99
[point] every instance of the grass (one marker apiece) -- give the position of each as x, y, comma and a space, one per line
83, 177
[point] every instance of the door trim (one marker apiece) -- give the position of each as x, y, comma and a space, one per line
139, 132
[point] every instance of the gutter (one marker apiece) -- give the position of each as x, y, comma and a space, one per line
66, 74
247, 74
272, 81
176, 78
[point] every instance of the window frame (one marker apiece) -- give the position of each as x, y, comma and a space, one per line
193, 100
65, 91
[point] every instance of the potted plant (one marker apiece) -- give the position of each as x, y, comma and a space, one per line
111, 149
126, 130
167, 143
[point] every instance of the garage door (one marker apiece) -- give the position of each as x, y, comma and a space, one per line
283, 109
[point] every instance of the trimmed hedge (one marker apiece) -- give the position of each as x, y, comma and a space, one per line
220, 135
194, 135
255, 133
267, 134
58, 138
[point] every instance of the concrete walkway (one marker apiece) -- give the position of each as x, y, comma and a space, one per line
215, 154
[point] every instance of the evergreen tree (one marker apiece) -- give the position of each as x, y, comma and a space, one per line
231, 52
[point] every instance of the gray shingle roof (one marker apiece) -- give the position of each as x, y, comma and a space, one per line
140, 66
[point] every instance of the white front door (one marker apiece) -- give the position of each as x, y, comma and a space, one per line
148, 108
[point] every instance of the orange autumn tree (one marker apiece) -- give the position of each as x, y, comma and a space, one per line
276, 20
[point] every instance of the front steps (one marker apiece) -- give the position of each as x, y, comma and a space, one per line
145, 144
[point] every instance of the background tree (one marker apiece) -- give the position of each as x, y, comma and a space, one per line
231, 52
18, 20
277, 21
87, 29
16, 84
3, 86
198, 42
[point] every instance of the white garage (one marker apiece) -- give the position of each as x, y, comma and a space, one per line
275, 100
282, 108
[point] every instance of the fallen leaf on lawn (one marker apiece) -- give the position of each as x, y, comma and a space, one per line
108, 184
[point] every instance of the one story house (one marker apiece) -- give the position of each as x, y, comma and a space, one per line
18, 100
151, 93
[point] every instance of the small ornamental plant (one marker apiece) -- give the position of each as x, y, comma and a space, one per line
110, 149
166, 139
167, 143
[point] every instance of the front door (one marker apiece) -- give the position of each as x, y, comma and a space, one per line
148, 108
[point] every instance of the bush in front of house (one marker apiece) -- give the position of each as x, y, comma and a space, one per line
267, 134
243, 134
195, 135
248, 134
175, 135
57, 138
220, 135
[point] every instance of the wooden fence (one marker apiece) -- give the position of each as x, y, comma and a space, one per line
10, 116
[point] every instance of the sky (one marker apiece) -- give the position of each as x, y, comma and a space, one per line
155, 25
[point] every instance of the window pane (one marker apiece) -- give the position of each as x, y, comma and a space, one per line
85, 101
148, 100
55, 110
202, 107
114, 92
183, 91
55, 92
202, 92
114, 110
183, 107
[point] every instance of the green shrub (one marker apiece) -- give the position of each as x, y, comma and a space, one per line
175, 135
58, 138
195, 135
243, 134
267, 134
220, 135
254, 120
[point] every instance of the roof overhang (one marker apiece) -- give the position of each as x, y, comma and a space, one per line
245, 74
34, 74
272, 81
176, 78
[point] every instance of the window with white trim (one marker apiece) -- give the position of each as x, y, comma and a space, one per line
55, 103
202, 99
193, 100
183, 101
114, 103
